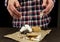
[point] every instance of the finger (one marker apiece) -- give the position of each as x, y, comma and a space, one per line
10, 11
14, 10
49, 6
17, 4
50, 10
12, 14
44, 3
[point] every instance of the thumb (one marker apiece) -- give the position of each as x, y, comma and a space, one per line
17, 4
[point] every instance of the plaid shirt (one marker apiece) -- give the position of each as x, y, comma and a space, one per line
31, 14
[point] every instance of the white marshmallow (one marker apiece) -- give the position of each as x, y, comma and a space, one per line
28, 28
22, 29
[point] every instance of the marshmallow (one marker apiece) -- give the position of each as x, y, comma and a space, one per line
28, 28
22, 29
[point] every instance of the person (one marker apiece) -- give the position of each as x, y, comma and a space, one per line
13, 4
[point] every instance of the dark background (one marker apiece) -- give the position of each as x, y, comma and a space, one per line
6, 19
58, 14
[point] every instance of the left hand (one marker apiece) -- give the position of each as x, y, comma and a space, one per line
49, 6
11, 7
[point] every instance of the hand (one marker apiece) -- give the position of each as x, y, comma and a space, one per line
12, 4
49, 4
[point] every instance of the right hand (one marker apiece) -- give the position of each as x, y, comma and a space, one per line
12, 4
49, 6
